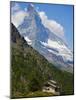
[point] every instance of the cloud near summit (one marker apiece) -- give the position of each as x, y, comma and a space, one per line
52, 25
18, 15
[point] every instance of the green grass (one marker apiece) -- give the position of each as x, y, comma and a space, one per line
32, 94
39, 94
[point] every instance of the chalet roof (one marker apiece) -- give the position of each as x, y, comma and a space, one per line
51, 83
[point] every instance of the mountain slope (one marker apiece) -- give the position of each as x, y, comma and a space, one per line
27, 66
45, 42
29, 70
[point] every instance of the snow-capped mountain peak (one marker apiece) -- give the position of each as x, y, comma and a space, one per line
44, 41
30, 8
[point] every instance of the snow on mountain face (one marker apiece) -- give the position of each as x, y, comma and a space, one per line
58, 49
28, 40
45, 42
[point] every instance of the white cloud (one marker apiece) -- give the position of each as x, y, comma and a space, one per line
53, 25
15, 8
17, 15
25, 9
37, 8
18, 18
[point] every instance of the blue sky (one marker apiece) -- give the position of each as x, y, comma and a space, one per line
63, 14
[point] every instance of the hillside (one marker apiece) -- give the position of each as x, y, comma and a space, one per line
29, 70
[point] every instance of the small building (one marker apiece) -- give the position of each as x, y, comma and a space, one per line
51, 87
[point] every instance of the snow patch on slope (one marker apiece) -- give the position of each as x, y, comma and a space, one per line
61, 48
28, 40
